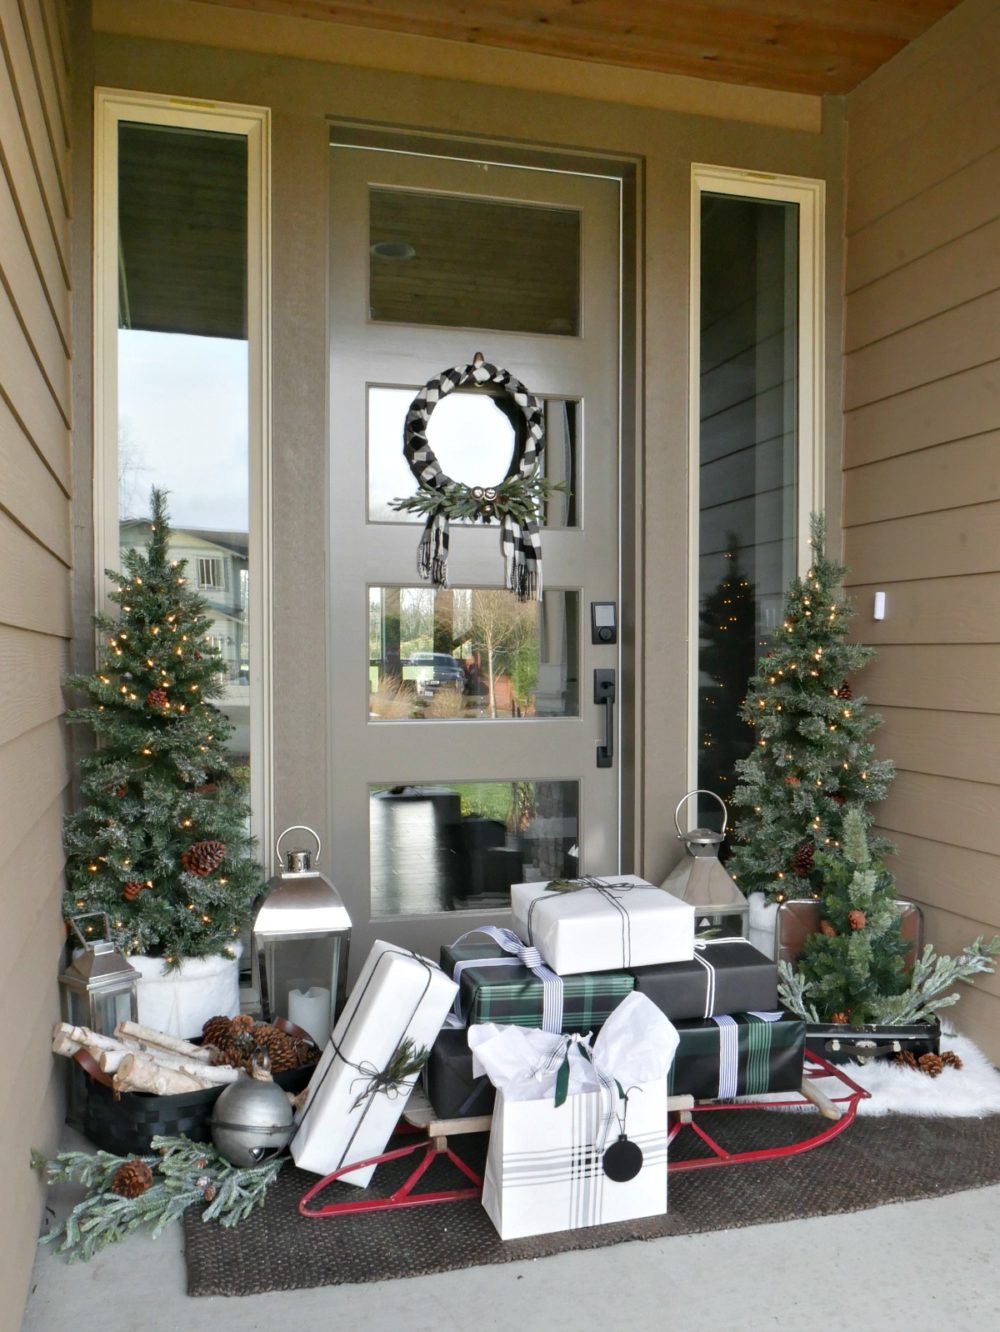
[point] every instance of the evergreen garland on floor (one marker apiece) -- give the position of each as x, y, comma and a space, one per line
125, 1193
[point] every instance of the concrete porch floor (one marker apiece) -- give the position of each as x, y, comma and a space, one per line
915, 1266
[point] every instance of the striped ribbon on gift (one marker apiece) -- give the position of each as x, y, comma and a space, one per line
758, 1038
520, 954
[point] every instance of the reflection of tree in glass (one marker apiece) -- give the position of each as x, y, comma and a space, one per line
501, 629
727, 657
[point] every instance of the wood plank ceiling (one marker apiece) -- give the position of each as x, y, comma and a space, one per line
804, 46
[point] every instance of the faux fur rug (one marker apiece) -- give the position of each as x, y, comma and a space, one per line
969, 1092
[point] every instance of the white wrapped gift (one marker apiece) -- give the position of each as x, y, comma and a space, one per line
605, 924
351, 1107
600, 1155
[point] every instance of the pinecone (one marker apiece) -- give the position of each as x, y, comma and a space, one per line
217, 1031
950, 1059
803, 859
132, 889
203, 858
207, 788
856, 919
841, 1019
839, 799
158, 699
906, 1059
243, 1022
281, 1048
131, 1179
209, 1191
931, 1064
825, 927
791, 780
845, 691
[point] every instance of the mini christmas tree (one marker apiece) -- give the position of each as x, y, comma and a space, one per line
812, 756
852, 970
857, 956
161, 843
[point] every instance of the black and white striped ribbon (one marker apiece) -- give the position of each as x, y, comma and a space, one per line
523, 955
701, 948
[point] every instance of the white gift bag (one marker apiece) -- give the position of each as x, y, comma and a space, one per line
351, 1108
603, 924
601, 1155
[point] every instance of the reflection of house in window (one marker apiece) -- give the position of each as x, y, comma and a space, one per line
219, 560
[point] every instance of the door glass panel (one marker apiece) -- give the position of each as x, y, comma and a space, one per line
460, 845
471, 654
183, 379
748, 461
472, 436
457, 262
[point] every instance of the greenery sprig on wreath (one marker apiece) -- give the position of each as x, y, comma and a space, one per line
520, 497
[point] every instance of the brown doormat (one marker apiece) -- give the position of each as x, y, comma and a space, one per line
875, 1161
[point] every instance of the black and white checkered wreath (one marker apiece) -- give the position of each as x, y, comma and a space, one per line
516, 502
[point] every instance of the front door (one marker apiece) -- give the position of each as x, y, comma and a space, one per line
468, 751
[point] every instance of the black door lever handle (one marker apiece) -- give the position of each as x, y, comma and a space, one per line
604, 693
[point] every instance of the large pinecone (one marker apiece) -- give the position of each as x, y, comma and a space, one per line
856, 919
203, 858
845, 691
802, 860
131, 1179
281, 1048
132, 890
158, 699
217, 1031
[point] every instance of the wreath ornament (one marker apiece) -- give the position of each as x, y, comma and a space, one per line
516, 502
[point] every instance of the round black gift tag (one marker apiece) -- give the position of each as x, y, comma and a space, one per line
622, 1160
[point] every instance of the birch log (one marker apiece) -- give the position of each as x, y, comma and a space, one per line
139, 1073
147, 1036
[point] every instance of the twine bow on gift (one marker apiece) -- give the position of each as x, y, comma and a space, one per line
610, 891
405, 1062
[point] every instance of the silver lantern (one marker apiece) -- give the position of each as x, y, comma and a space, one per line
301, 937
701, 880
251, 1121
98, 988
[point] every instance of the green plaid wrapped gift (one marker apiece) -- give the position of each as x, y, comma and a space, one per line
743, 1054
513, 994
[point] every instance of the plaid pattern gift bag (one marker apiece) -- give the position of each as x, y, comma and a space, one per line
579, 1135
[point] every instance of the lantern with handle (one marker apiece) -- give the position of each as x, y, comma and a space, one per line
301, 937
701, 880
98, 988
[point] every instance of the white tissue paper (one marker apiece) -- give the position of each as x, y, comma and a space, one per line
547, 1167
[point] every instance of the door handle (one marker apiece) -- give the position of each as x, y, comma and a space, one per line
604, 693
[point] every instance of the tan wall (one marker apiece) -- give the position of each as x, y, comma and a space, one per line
303, 95
922, 460
35, 613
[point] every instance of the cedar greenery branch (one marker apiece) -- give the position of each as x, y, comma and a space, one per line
160, 840
126, 1193
520, 496
812, 755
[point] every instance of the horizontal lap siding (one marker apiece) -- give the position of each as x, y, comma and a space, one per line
35, 605
922, 466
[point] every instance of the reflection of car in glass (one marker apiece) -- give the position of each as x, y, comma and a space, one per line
437, 670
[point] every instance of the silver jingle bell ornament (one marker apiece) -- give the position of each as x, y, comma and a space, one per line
251, 1122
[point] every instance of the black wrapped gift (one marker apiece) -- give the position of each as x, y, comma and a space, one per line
726, 976
447, 1078
839, 1044
743, 1054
